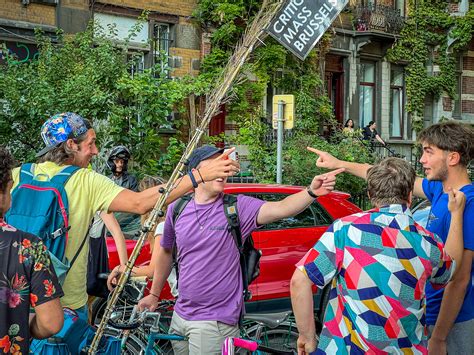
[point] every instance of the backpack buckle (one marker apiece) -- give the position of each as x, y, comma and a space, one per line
59, 232
247, 295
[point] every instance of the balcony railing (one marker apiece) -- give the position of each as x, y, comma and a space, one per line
378, 18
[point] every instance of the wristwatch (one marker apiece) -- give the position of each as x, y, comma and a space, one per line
310, 192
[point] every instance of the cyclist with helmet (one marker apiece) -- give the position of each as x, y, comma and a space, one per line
118, 164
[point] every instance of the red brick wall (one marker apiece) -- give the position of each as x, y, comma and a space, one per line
175, 7
35, 13
453, 7
467, 106
468, 85
447, 104
205, 44
468, 63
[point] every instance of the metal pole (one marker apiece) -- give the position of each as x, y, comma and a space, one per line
281, 120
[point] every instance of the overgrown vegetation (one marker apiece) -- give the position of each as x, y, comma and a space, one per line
273, 67
89, 74
430, 33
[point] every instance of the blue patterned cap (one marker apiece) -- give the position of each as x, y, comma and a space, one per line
60, 128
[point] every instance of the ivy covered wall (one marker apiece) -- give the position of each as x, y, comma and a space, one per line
429, 44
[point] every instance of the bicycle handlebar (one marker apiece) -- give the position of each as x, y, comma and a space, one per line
251, 345
246, 344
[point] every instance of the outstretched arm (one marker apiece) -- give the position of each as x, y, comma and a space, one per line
327, 161
294, 204
143, 202
377, 137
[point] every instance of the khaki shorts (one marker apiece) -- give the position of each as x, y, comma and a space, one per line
204, 337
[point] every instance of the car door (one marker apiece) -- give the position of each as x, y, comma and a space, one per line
283, 244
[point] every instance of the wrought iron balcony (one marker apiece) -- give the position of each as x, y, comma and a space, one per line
378, 18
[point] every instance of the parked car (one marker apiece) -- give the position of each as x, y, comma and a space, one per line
283, 243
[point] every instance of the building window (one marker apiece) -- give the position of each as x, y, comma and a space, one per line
161, 41
136, 62
367, 94
457, 110
401, 6
397, 99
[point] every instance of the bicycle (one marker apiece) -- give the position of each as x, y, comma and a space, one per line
149, 330
273, 333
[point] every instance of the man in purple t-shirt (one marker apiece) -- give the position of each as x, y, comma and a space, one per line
210, 284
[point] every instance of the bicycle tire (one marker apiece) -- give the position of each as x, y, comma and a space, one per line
282, 338
98, 308
133, 346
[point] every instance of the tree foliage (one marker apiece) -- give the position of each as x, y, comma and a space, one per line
226, 20
88, 73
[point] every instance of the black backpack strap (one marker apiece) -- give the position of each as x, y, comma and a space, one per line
82, 245
178, 208
232, 215
180, 205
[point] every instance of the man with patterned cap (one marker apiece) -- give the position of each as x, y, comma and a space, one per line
70, 140
378, 263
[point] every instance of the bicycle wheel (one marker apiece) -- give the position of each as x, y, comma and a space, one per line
133, 346
122, 310
282, 338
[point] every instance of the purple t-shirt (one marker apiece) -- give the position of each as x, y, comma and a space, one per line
210, 281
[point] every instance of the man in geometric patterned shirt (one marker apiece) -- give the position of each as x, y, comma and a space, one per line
378, 263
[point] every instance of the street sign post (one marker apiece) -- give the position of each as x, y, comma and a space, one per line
283, 118
289, 111
280, 122
299, 24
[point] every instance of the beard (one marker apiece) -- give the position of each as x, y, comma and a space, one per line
441, 175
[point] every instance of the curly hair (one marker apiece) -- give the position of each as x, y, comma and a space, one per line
6, 164
451, 136
390, 182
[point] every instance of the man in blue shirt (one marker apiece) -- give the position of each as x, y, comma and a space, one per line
448, 148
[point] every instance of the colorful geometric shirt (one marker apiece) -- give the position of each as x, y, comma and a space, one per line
379, 263
26, 278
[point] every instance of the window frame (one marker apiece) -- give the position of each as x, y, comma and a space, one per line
157, 43
401, 89
374, 91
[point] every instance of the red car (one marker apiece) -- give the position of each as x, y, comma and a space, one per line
282, 243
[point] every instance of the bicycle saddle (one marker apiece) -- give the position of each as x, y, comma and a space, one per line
271, 320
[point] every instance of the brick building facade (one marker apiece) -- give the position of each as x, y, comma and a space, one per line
364, 86
168, 28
